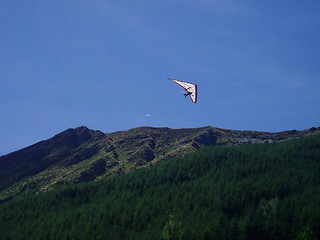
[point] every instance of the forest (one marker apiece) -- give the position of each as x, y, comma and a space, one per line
258, 191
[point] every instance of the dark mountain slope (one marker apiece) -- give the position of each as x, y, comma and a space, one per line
38, 157
257, 191
80, 154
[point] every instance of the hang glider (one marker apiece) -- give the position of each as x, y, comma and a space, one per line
190, 88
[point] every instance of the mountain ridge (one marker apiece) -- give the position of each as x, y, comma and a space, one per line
81, 154
253, 191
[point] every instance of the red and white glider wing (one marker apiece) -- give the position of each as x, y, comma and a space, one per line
189, 87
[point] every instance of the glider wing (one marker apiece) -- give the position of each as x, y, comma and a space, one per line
188, 87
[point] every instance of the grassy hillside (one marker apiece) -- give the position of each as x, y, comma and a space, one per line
262, 191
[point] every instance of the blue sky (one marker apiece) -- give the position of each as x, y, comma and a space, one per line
104, 64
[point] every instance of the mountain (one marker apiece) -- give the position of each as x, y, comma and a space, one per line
248, 192
81, 155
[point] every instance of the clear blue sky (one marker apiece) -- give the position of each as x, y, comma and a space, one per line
104, 64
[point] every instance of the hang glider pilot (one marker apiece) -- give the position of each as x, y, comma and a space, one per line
187, 94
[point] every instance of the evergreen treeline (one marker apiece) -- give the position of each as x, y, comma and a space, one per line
265, 191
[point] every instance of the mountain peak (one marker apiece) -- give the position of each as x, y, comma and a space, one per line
81, 154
